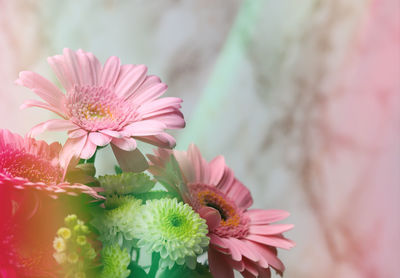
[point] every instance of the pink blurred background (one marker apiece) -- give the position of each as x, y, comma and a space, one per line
301, 97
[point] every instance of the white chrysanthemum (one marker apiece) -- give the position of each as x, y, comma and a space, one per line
118, 224
60, 258
174, 230
126, 183
59, 244
115, 262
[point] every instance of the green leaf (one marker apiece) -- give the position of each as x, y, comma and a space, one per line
117, 169
156, 195
137, 271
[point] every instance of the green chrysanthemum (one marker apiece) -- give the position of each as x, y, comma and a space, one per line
115, 262
118, 225
126, 183
174, 230
115, 201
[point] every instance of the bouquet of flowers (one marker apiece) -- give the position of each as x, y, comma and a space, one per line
172, 214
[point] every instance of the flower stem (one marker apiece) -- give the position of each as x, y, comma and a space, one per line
155, 259
92, 159
137, 256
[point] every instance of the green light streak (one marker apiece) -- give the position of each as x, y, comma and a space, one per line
227, 65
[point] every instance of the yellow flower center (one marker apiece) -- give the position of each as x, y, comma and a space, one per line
59, 244
65, 233
96, 111
229, 216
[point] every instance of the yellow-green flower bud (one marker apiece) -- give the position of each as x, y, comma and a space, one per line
71, 220
84, 229
65, 233
81, 240
90, 254
73, 258
80, 275
77, 228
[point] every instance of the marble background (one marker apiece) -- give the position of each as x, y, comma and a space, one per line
301, 97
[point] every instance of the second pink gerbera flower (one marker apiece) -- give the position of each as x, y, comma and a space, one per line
240, 238
114, 104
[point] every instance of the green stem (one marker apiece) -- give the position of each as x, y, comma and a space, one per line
155, 259
92, 159
137, 256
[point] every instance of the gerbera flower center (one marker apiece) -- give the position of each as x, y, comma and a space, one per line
19, 163
96, 111
233, 222
96, 108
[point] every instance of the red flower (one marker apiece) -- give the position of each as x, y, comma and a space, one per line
34, 199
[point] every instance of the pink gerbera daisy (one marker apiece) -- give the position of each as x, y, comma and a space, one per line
28, 164
30, 173
113, 103
241, 239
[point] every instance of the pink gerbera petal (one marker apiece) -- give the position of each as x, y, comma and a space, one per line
111, 103
99, 139
74, 66
59, 67
125, 143
150, 90
271, 241
131, 77
160, 106
211, 215
130, 161
54, 125
143, 128
72, 148
217, 169
269, 255
88, 149
95, 68
219, 267
172, 120
77, 133
162, 140
40, 104
259, 216
43, 88
88, 76
110, 72
270, 229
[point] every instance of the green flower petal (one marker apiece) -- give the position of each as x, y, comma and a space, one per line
126, 183
115, 262
172, 229
118, 225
